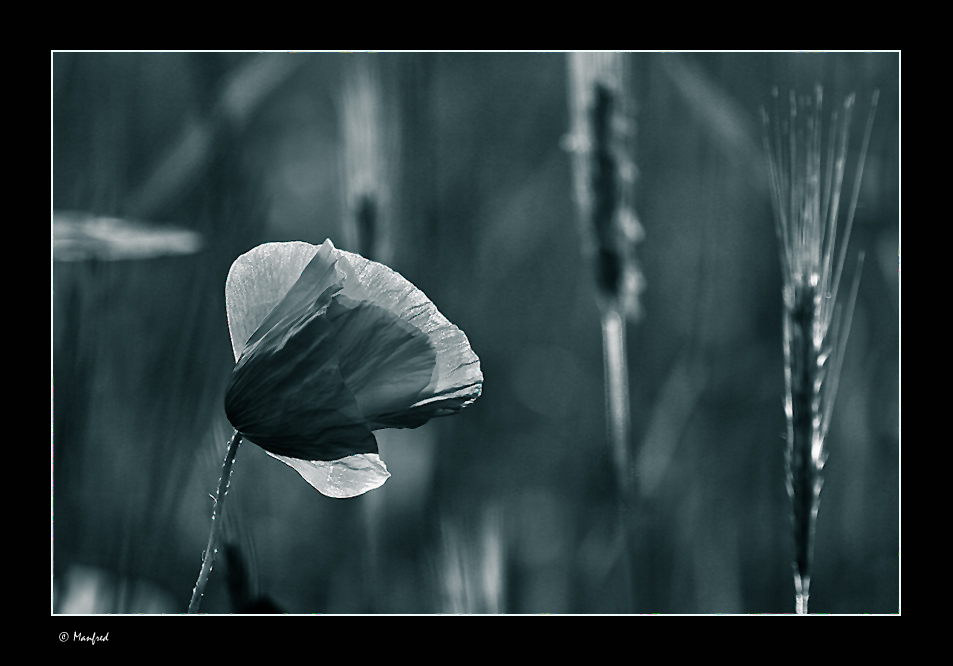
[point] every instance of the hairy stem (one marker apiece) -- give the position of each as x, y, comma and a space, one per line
212, 548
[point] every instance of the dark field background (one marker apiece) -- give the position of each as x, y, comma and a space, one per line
508, 506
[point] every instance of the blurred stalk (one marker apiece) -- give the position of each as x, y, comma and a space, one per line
603, 175
370, 151
600, 143
723, 118
369, 159
213, 537
244, 92
99, 263
806, 189
241, 566
471, 567
617, 394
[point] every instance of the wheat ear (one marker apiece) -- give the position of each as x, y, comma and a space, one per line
806, 180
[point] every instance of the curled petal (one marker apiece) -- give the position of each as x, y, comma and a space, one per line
257, 281
457, 380
348, 477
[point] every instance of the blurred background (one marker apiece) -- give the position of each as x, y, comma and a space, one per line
508, 506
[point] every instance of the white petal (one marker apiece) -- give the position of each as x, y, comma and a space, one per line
348, 477
257, 281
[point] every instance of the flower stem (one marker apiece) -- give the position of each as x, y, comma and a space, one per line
617, 395
619, 428
802, 586
212, 548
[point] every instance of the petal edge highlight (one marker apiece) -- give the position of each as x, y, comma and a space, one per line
340, 479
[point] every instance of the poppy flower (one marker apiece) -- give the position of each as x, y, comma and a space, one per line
329, 347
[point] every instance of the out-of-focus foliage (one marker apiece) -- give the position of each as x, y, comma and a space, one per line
246, 148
